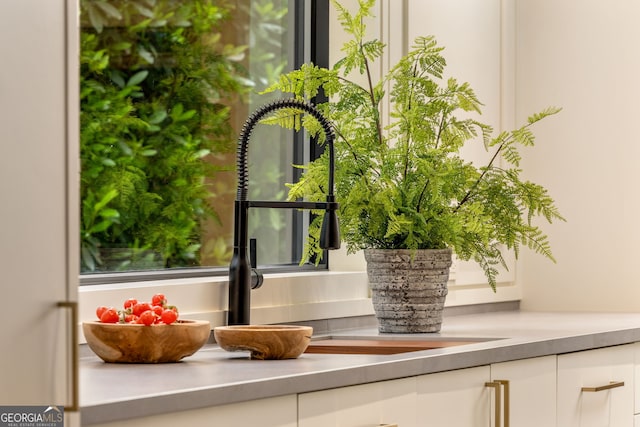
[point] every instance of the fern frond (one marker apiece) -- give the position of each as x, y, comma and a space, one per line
542, 114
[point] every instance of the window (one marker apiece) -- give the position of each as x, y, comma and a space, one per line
165, 88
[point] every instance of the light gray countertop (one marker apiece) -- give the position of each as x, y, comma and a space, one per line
111, 392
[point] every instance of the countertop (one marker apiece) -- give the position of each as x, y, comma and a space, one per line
212, 376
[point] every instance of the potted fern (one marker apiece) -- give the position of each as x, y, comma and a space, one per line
406, 195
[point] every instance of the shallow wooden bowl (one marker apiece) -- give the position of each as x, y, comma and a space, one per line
131, 343
265, 341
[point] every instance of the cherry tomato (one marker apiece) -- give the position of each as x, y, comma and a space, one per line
159, 299
130, 303
140, 308
110, 316
147, 318
169, 316
157, 310
130, 318
101, 310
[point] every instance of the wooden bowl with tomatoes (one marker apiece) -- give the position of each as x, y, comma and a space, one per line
141, 334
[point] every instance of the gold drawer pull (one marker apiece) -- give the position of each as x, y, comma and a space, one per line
612, 384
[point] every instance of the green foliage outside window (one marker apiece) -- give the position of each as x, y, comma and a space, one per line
156, 81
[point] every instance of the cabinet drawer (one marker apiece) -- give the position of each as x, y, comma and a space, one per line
387, 402
596, 387
270, 412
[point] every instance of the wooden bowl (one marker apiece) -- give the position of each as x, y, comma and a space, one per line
265, 341
131, 343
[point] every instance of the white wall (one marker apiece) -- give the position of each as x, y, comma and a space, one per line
583, 56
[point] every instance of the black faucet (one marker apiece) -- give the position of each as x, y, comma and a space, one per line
240, 269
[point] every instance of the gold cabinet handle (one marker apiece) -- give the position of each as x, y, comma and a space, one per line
496, 387
507, 402
73, 306
612, 384
499, 386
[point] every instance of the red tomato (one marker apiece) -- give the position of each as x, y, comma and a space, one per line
169, 316
130, 318
110, 316
158, 299
140, 308
130, 303
101, 310
147, 318
157, 310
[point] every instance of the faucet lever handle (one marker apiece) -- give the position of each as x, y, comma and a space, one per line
256, 276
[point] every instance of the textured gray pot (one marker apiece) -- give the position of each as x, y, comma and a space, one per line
408, 288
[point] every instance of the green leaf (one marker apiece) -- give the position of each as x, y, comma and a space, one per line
108, 197
157, 117
116, 77
109, 213
138, 78
146, 55
101, 226
109, 9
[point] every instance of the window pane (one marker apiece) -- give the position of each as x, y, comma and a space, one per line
165, 85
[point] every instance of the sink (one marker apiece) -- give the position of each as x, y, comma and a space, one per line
377, 345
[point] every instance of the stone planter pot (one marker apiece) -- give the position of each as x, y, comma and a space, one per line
408, 288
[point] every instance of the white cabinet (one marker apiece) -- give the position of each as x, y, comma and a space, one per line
532, 391
576, 389
39, 187
272, 412
387, 402
454, 398
596, 387
637, 383
458, 398
526, 392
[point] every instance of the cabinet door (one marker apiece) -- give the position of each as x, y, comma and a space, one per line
387, 402
532, 391
39, 187
637, 383
454, 398
596, 370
